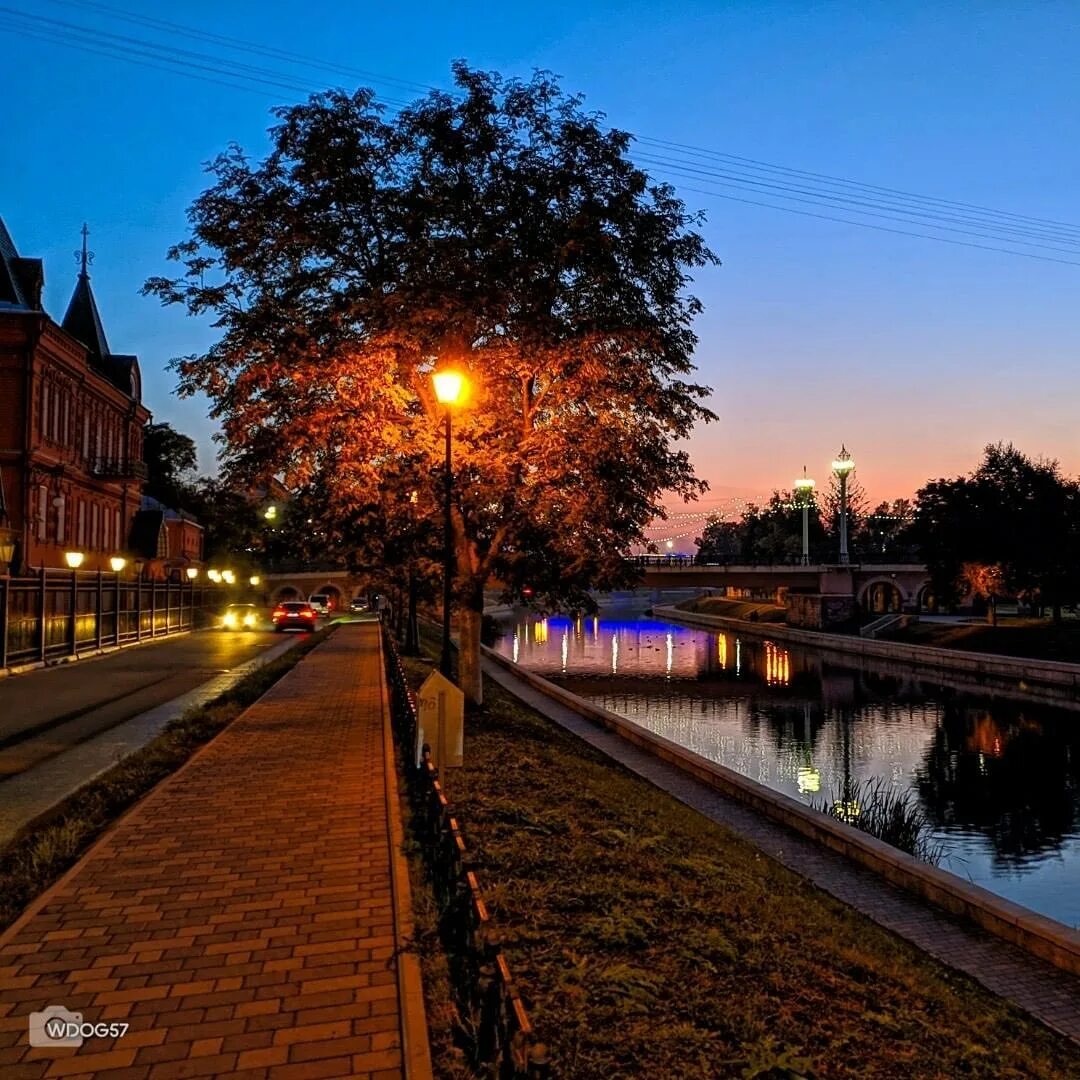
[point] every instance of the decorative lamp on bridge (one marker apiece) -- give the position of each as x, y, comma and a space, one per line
451, 388
804, 498
842, 468
117, 563
74, 559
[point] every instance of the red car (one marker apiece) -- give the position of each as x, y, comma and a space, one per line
294, 615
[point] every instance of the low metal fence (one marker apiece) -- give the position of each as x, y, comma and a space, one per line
499, 1033
60, 613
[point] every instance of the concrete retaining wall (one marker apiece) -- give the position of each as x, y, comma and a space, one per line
1043, 937
1010, 672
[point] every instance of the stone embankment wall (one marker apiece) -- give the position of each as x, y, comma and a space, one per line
1010, 675
1035, 933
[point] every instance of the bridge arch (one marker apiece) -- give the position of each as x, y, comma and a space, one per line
882, 596
287, 591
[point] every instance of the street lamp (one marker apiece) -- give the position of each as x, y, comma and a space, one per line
117, 563
449, 390
842, 467
214, 576
804, 496
192, 573
254, 580
228, 577
74, 559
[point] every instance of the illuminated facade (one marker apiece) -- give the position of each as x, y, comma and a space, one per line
71, 424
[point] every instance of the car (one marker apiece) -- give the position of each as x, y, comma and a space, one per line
240, 617
358, 605
320, 602
294, 615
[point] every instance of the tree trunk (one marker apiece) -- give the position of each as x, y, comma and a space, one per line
469, 676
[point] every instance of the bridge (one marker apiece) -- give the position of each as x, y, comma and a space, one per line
876, 589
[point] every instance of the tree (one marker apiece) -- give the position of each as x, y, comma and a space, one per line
170, 463
1018, 515
720, 542
503, 231
885, 530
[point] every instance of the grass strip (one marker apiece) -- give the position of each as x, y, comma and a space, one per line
53, 843
651, 942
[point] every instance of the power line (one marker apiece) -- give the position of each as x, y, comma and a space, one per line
676, 159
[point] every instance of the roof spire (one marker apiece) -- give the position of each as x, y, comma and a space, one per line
85, 257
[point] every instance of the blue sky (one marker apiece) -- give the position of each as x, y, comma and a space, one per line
914, 353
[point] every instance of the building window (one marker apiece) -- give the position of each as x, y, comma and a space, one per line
117, 540
86, 435
65, 433
95, 526
81, 535
61, 522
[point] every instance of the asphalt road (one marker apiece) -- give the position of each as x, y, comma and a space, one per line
45, 712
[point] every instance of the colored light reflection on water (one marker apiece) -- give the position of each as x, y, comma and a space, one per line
1000, 779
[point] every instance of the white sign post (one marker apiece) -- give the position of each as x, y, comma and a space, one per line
441, 722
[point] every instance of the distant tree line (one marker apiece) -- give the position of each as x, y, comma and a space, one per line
1010, 528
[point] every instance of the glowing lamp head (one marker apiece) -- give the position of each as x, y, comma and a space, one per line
228, 577
254, 579
192, 573
843, 464
803, 484
214, 576
74, 559
449, 387
270, 513
117, 562
669, 544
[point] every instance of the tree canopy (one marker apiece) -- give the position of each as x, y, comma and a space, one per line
170, 463
1014, 518
500, 229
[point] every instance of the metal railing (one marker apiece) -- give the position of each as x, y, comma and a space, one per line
59, 613
500, 1036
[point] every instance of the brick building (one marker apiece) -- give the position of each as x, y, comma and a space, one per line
71, 423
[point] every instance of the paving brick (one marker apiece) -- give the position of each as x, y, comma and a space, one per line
242, 915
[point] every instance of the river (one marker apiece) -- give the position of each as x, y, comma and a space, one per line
999, 779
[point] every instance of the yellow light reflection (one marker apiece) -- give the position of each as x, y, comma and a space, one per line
777, 665
721, 650
540, 632
670, 643
565, 648
809, 779
614, 654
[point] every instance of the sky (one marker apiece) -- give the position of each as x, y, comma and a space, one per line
912, 352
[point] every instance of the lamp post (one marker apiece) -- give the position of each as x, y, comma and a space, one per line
449, 390
842, 467
804, 495
74, 559
412, 631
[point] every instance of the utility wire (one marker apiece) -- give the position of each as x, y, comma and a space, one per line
678, 159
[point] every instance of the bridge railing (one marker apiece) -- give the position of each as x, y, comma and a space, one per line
61, 613
500, 1034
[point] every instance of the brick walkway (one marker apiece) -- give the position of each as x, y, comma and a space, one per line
1046, 992
242, 917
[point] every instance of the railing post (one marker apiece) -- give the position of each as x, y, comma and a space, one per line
42, 581
138, 606
5, 592
100, 608
74, 632
153, 607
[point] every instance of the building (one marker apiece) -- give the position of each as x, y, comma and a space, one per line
71, 424
168, 541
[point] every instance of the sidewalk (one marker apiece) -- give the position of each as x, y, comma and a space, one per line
242, 917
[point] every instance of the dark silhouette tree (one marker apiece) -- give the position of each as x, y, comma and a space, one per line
170, 464
502, 230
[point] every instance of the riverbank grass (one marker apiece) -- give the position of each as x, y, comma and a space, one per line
650, 942
48, 847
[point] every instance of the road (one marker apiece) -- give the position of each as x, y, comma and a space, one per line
46, 712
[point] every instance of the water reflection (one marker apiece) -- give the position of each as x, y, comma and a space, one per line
999, 780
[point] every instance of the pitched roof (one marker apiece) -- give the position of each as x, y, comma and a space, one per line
83, 322
20, 279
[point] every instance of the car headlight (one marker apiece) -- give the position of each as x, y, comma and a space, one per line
229, 620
